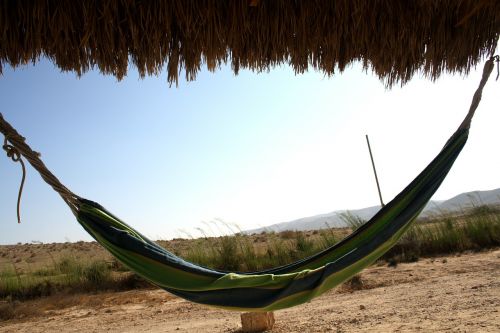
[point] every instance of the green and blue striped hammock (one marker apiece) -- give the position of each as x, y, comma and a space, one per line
270, 289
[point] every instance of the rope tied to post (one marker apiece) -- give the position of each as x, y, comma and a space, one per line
15, 156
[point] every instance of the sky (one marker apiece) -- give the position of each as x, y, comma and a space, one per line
251, 150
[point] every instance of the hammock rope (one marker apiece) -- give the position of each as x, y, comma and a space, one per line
270, 289
15, 156
16, 144
488, 68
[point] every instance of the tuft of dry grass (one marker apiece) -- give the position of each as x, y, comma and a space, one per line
355, 283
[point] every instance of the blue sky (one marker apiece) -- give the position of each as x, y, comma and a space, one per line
252, 149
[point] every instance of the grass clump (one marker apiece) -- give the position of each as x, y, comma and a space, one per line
227, 255
476, 229
66, 274
327, 237
354, 283
352, 221
304, 244
96, 273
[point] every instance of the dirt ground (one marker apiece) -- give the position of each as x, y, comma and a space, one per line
447, 294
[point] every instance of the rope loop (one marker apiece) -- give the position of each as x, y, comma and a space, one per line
11, 151
14, 154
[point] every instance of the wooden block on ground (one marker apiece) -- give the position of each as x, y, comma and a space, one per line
257, 321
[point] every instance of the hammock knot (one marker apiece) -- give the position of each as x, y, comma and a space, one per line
14, 154
11, 151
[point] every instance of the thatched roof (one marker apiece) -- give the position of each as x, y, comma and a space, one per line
394, 38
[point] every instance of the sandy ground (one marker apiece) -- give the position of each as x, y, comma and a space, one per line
448, 294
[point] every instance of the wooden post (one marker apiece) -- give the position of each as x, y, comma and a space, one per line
257, 321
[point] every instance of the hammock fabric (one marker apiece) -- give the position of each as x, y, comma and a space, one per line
271, 289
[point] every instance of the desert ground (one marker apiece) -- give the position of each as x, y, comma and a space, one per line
459, 293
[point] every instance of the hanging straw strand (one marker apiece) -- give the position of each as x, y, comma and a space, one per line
497, 59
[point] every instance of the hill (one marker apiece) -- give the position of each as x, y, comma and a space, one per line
334, 219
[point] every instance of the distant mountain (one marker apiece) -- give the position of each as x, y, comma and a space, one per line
469, 199
334, 219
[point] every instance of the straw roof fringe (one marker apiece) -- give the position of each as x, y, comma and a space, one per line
394, 38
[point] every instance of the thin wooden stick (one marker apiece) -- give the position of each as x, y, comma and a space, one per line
374, 171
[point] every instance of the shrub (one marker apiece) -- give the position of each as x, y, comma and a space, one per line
97, 273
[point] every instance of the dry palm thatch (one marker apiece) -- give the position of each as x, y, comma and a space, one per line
394, 38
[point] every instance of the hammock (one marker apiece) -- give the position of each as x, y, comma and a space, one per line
270, 289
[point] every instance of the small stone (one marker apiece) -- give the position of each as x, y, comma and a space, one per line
362, 307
